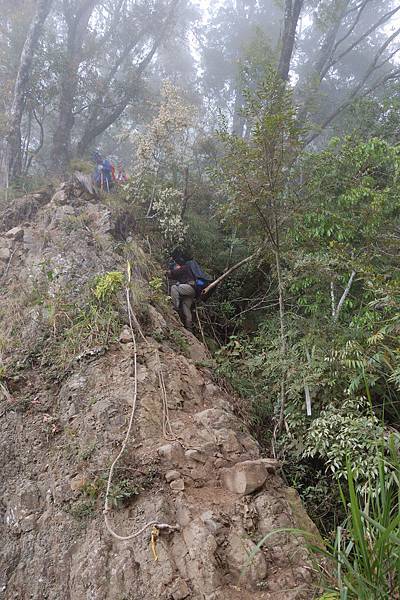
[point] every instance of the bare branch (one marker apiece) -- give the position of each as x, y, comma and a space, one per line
40, 144
219, 280
360, 11
333, 300
374, 66
344, 296
375, 26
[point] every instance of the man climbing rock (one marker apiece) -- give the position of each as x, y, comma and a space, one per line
190, 283
183, 291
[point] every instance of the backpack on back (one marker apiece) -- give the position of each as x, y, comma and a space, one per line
202, 280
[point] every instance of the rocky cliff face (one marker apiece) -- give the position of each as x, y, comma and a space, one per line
64, 414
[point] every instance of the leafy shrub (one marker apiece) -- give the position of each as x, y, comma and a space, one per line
157, 286
107, 285
343, 425
75, 329
339, 436
123, 491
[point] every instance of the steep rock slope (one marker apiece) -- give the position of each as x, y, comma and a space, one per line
65, 415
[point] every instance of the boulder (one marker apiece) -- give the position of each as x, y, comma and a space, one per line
125, 336
196, 456
214, 418
211, 390
5, 254
210, 522
158, 323
172, 453
172, 475
16, 233
30, 499
178, 485
180, 589
227, 439
219, 463
302, 519
196, 351
238, 552
245, 477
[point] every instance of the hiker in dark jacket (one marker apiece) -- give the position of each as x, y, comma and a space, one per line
183, 291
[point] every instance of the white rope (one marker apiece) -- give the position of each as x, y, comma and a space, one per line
166, 423
160, 526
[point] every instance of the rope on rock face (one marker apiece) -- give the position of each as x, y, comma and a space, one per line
166, 423
106, 510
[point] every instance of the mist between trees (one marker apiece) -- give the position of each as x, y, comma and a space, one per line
80, 73
268, 128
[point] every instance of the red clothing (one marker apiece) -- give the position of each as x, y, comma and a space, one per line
121, 176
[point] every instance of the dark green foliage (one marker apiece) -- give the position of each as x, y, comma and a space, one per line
339, 245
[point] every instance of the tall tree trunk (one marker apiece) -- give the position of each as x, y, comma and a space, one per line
291, 18
14, 150
76, 31
238, 119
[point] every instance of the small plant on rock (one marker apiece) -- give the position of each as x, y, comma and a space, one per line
87, 452
82, 509
107, 285
123, 491
158, 295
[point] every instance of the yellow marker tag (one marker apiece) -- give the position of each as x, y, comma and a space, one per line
154, 537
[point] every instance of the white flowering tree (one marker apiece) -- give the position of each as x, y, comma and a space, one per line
168, 210
164, 153
165, 144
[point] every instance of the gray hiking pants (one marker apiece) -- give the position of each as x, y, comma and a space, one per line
183, 296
